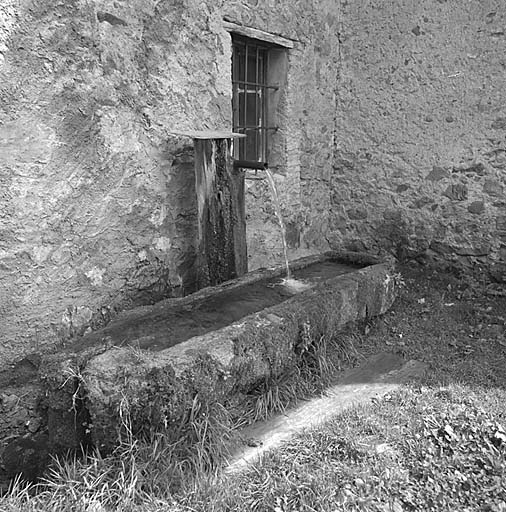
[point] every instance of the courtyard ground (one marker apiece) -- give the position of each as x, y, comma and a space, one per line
437, 444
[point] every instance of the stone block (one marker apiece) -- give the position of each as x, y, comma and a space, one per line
493, 188
437, 174
499, 123
393, 214
421, 202
477, 168
476, 207
358, 213
293, 234
498, 272
472, 250
456, 192
500, 222
441, 247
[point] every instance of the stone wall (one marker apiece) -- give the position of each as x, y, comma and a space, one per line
420, 155
97, 199
392, 140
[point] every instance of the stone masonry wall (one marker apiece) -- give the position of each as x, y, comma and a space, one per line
420, 154
392, 130
97, 200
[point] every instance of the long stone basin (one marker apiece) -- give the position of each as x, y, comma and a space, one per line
144, 364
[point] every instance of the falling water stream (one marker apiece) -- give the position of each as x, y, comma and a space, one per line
277, 209
168, 324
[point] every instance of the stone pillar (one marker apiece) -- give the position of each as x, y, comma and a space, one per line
221, 247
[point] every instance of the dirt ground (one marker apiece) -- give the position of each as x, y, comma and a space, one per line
455, 324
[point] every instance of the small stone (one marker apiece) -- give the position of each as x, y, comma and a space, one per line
499, 123
33, 425
9, 402
402, 188
493, 188
428, 119
26, 456
357, 213
421, 202
392, 215
456, 192
449, 119
382, 448
110, 18
293, 235
477, 250
476, 207
498, 272
253, 443
500, 223
416, 30
440, 247
437, 173
477, 168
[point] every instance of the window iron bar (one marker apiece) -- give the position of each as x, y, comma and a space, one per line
251, 95
250, 164
252, 127
253, 84
265, 110
245, 107
258, 120
240, 42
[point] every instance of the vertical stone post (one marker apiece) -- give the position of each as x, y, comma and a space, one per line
221, 248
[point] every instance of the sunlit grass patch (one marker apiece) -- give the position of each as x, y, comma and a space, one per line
417, 449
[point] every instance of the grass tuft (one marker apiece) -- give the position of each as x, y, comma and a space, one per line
322, 351
423, 448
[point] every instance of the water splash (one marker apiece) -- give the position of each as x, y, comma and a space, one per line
295, 285
277, 209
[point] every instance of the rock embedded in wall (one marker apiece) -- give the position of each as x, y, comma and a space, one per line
476, 207
493, 188
437, 174
456, 192
500, 223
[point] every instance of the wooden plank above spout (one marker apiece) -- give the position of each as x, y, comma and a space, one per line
209, 134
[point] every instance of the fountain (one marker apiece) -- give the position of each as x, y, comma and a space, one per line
222, 340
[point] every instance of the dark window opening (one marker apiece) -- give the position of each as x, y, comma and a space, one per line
252, 97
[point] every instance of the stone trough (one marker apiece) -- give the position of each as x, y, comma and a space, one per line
137, 364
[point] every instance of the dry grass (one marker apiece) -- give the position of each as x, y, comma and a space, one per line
440, 446
440, 449
154, 473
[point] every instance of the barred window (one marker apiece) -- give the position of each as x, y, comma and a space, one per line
252, 97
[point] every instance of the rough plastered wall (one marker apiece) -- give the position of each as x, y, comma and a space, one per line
306, 128
97, 200
420, 160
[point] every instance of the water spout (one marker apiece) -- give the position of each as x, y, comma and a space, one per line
277, 209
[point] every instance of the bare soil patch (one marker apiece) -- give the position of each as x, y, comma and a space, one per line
455, 324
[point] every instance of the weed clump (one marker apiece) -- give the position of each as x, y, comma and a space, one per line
322, 351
